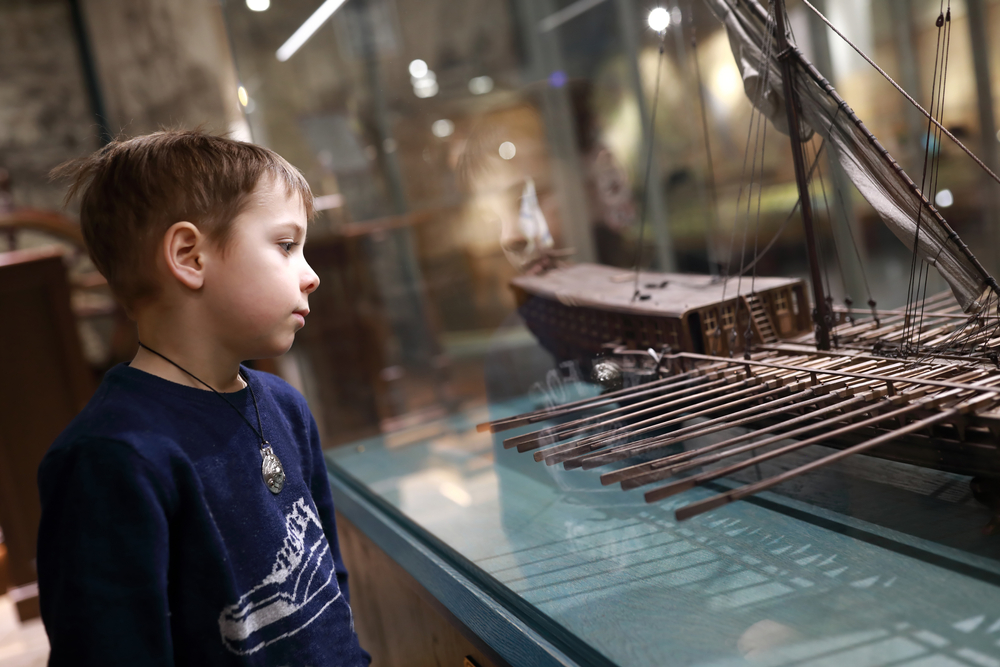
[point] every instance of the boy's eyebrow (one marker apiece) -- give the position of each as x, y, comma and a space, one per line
296, 226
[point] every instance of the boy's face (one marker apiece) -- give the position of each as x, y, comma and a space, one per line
258, 287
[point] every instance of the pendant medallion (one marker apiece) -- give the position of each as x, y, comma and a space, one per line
272, 471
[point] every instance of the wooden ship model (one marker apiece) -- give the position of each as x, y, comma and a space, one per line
575, 311
688, 356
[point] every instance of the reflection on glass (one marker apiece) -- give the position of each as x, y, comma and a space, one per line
454, 146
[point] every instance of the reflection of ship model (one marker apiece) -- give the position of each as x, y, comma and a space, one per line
918, 385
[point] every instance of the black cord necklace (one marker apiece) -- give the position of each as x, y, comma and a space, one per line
270, 467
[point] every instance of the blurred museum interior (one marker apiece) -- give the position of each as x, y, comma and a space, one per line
429, 132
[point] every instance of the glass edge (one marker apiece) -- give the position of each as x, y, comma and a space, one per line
562, 639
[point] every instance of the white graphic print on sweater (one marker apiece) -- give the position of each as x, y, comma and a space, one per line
300, 587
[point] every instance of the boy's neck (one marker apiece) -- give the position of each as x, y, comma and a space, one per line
218, 379
202, 358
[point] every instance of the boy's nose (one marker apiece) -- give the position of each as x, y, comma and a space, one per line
310, 281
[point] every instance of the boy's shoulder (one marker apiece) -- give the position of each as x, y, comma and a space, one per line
134, 407
122, 408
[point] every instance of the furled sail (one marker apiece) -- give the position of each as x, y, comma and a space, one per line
869, 166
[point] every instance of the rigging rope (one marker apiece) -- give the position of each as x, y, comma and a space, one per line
977, 332
836, 247
791, 214
919, 270
712, 218
758, 141
928, 140
754, 115
936, 171
762, 138
649, 166
899, 88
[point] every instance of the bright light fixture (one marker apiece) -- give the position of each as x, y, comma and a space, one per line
307, 29
944, 199
442, 128
418, 68
424, 88
428, 76
659, 19
480, 85
507, 150
726, 83
241, 93
258, 5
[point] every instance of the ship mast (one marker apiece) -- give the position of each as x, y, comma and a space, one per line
791, 109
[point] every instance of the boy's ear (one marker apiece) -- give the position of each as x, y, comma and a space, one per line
183, 252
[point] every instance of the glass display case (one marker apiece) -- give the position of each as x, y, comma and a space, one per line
464, 153
866, 563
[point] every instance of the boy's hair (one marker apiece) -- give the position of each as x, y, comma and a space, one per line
134, 190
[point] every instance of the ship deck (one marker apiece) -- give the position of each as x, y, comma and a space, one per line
610, 288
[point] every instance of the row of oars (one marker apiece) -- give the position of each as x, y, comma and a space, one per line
778, 396
939, 406
941, 324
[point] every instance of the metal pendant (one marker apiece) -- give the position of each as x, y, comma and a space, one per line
271, 470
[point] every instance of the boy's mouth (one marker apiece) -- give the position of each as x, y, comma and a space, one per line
300, 315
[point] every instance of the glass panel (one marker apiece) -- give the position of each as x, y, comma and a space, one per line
488, 175
868, 562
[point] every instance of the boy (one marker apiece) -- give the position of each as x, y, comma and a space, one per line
186, 513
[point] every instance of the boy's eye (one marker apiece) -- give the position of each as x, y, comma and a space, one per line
287, 246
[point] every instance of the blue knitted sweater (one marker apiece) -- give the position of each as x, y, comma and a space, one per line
160, 544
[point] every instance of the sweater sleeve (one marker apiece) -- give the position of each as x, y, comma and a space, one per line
102, 557
319, 485
323, 497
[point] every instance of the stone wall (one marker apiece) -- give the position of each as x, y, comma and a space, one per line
163, 63
45, 115
160, 63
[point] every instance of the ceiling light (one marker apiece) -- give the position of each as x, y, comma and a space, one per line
258, 5
307, 29
442, 128
480, 85
418, 68
424, 88
659, 19
241, 93
944, 199
507, 150
429, 75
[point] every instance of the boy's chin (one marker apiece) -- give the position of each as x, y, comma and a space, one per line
273, 348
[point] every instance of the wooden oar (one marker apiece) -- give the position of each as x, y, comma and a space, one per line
681, 463
589, 460
596, 442
575, 458
714, 502
695, 480
574, 449
528, 441
742, 418
652, 471
589, 403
